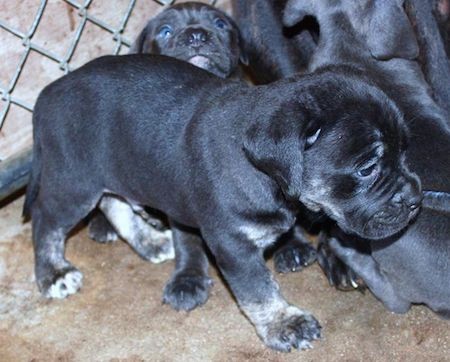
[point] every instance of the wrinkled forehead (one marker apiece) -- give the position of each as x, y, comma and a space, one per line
190, 14
362, 137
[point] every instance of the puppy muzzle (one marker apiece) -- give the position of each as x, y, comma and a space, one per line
402, 208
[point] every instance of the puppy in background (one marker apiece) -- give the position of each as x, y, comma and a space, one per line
377, 41
196, 33
209, 39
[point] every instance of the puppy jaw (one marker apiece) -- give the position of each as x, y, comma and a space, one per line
366, 216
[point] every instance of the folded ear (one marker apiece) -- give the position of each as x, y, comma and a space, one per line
390, 34
275, 147
243, 58
296, 10
142, 44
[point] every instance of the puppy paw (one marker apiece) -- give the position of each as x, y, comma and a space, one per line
100, 230
291, 328
339, 275
293, 258
186, 292
160, 248
64, 283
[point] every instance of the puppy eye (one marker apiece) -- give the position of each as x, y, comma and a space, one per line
368, 171
312, 138
165, 32
219, 23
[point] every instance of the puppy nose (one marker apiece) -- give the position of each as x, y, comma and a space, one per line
196, 36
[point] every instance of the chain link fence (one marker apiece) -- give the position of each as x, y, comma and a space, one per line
27, 54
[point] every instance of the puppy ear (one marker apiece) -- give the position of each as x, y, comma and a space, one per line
243, 58
275, 147
296, 10
397, 40
142, 42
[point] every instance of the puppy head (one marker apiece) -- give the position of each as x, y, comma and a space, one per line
382, 24
197, 33
341, 150
354, 167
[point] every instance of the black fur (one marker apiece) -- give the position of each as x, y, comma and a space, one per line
223, 160
194, 32
191, 30
348, 37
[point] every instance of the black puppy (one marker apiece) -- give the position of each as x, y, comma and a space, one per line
197, 33
381, 46
206, 37
226, 162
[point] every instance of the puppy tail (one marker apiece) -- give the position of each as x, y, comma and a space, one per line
35, 176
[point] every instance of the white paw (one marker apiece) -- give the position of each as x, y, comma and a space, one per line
167, 251
66, 285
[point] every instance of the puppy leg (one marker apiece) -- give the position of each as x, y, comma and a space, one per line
338, 274
100, 229
295, 253
366, 267
55, 276
151, 244
279, 324
189, 285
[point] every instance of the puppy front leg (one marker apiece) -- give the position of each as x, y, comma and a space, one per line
366, 267
295, 252
339, 274
189, 285
279, 324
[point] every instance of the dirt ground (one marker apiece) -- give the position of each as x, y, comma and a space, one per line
118, 315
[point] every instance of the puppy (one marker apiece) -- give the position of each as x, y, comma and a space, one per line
381, 46
196, 33
227, 163
206, 37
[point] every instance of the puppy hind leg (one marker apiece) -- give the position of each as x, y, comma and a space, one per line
189, 284
366, 267
56, 277
150, 243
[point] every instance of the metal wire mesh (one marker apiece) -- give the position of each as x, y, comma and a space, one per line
9, 96
54, 42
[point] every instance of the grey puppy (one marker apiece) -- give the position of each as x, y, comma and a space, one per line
227, 163
197, 33
205, 37
413, 266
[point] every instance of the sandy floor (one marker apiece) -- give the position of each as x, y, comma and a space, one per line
118, 315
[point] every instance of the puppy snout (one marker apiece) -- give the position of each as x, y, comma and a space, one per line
196, 37
410, 196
